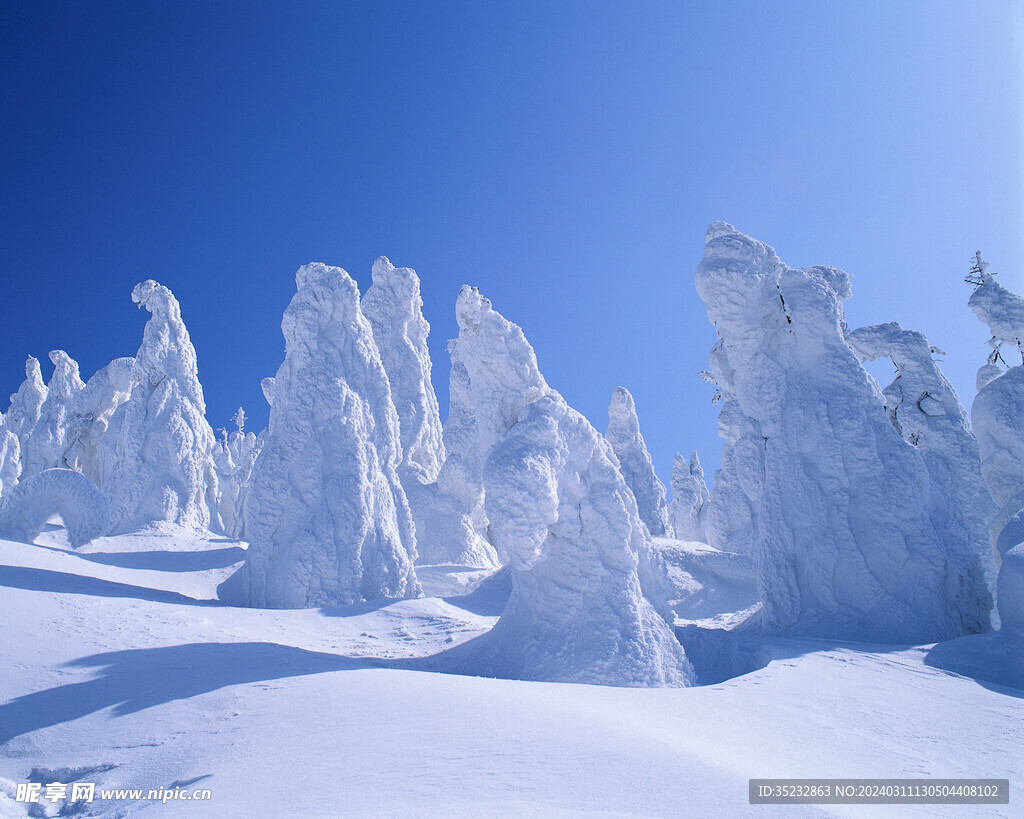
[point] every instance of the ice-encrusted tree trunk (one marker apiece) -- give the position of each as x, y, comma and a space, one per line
26, 404
494, 375
925, 409
154, 461
49, 439
854, 538
326, 517
394, 308
688, 512
623, 433
998, 417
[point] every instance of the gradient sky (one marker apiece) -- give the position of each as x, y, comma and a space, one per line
565, 158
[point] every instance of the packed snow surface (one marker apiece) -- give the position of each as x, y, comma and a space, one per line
326, 515
855, 537
121, 670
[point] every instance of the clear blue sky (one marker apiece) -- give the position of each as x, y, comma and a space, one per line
564, 157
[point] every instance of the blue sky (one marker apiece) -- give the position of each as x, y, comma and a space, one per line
566, 158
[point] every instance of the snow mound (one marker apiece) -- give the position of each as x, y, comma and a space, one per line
688, 510
707, 585
326, 516
623, 433
559, 507
154, 461
855, 539
64, 492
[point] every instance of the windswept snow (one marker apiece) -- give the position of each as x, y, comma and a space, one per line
155, 458
856, 539
326, 516
623, 433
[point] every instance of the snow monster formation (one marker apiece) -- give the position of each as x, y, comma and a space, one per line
855, 539
94, 406
82, 507
50, 435
10, 459
558, 506
26, 404
394, 308
234, 457
688, 510
326, 517
494, 375
925, 409
154, 460
628, 444
998, 417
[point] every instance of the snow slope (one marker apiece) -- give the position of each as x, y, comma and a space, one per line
119, 670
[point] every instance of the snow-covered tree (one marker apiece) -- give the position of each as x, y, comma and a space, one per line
855, 539
92, 410
925, 409
154, 460
688, 512
26, 404
394, 308
998, 417
623, 433
494, 375
49, 439
326, 517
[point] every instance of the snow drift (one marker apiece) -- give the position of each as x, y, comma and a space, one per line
855, 538
326, 515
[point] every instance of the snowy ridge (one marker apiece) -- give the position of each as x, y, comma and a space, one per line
855, 539
326, 515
